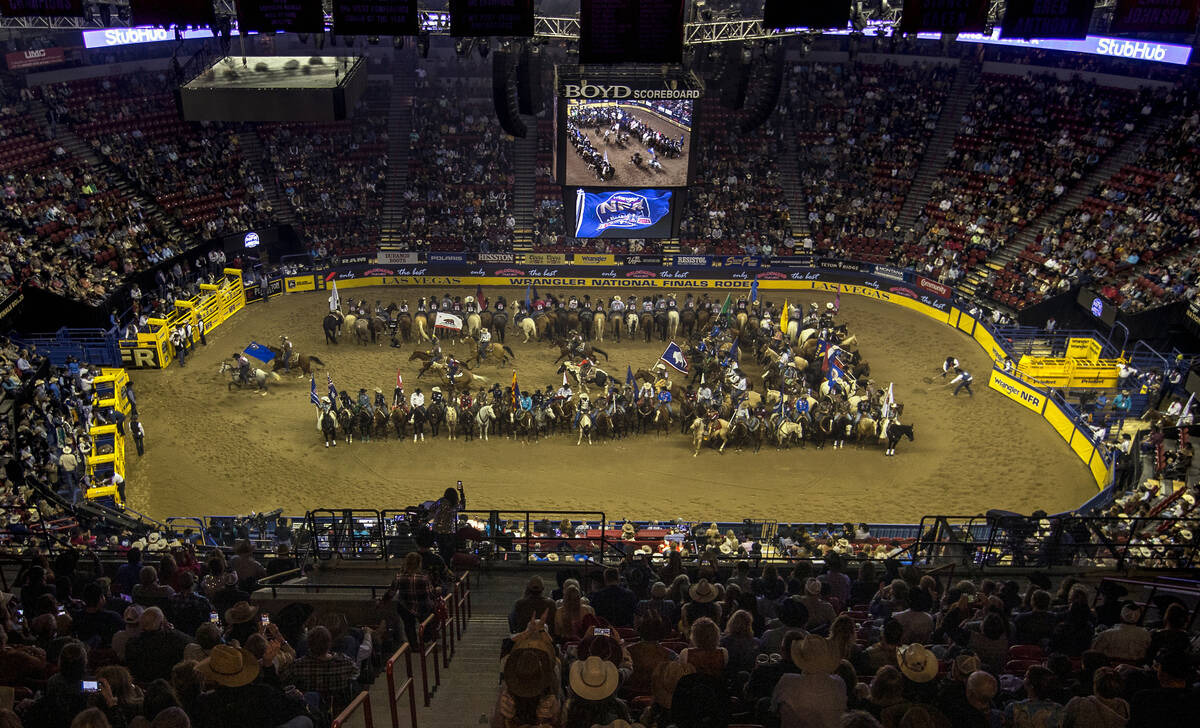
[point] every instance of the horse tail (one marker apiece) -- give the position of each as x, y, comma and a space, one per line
316, 360
508, 351
274, 375
598, 350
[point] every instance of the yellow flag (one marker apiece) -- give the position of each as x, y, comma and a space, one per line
783, 317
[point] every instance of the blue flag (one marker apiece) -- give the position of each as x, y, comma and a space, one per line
629, 376
673, 357
312, 392
332, 389
258, 351
528, 299
599, 212
836, 370
733, 352
754, 291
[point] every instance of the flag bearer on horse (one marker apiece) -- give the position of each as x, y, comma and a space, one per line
243, 367
286, 344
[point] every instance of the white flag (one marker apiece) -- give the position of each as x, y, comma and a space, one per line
1187, 408
335, 302
447, 321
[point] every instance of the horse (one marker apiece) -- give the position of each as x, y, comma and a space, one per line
895, 431
672, 323
843, 424
304, 362
585, 428
528, 328
587, 352
697, 430
473, 325
462, 377
484, 419
327, 424
542, 324
687, 321
599, 321
332, 325
258, 376
789, 432
632, 322
399, 416
646, 323
498, 324
404, 325
379, 327
362, 331
662, 420
718, 428
864, 432
380, 423
363, 421
451, 421
500, 352
823, 428
417, 418
435, 415
421, 323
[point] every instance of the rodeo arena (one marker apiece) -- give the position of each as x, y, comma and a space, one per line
599, 364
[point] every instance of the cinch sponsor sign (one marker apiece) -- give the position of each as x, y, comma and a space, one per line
1017, 391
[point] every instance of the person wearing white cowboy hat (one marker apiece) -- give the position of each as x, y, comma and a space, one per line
917, 663
155, 542
815, 697
1127, 641
594, 680
820, 611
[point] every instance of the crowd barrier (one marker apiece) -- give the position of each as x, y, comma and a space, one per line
95, 346
108, 444
407, 686
214, 305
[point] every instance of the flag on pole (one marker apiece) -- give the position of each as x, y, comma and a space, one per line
629, 380
727, 306
399, 380
754, 291
1186, 409
447, 321
258, 351
479, 299
837, 298
732, 354
312, 392
565, 378
516, 390
823, 353
332, 389
528, 300
606, 156
783, 317
673, 357
889, 404
335, 301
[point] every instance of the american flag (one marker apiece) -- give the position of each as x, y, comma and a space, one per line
312, 393
332, 389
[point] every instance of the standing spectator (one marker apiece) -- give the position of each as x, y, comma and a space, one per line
128, 573
414, 595
248, 569
445, 522
614, 603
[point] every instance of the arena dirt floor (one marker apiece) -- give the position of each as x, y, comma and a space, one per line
212, 451
626, 173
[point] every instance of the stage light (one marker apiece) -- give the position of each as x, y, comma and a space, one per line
373, 40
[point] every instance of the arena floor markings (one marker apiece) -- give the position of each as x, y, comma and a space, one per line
211, 451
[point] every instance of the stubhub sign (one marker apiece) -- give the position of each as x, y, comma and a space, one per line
110, 37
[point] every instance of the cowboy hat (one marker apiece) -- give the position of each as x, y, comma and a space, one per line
812, 587
1185, 534
229, 666
594, 678
552, 556
240, 613
527, 673
726, 549
702, 592
917, 663
666, 677
133, 614
66, 450
814, 655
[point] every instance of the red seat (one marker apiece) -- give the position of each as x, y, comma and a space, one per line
1026, 652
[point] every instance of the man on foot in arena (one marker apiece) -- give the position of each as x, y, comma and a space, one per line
949, 365
963, 380
485, 340
417, 399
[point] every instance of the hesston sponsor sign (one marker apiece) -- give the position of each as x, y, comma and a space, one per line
33, 59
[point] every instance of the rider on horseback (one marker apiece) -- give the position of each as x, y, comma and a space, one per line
575, 343
585, 370
585, 408
435, 396
363, 400
465, 401
286, 343
485, 340
451, 367
243, 367
380, 402
664, 400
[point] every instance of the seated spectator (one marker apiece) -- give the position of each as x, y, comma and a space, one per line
739, 642
328, 674
535, 602
990, 643
658, 602
1036, 626
568, 618
1073, 635
820, 612
793, 615
706, 653
665, 679
236, 699
96, 625
1036, 710
133, 628
1173, 704
188, 609
647, 654
703, 604
151, 654
1104, 708
886, 691
208, 636
594, 698
1174, 635
530, 694
614, 603
22, 665
883, 652
816, 697
1126, 641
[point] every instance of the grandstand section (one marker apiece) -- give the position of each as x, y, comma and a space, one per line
344, 407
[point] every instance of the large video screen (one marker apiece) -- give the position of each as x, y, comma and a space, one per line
627, 143
636, 213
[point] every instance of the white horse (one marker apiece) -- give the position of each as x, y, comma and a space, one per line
484, 419
837, 384
451, 421
672, 322
585, 429
259, 377
529, 328
807, 334
598, 322
793, 330
631, 323
789, 432
697, 430
473, 325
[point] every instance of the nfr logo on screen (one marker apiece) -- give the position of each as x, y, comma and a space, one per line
623, 209
252, 240
597, 212
1097, 306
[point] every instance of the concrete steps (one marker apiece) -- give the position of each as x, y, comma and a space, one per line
525, 154
400, 126
255, 153
933, 161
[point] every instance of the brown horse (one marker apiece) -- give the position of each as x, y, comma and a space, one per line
646, 324
304, 362
564, 350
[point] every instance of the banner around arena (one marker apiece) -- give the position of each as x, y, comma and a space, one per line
18, 60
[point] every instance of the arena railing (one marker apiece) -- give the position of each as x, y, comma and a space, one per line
1144, 593
363, 702
408, 686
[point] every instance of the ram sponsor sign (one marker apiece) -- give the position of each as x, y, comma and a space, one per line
1017, 391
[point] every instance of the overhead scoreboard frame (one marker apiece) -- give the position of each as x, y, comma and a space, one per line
645, 176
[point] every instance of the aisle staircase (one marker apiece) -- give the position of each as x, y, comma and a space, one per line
400, 126
789, 177
1127, 151
253, 150
524, 164
933, 161
82, 151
